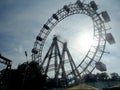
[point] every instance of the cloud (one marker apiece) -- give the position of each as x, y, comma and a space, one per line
21, 21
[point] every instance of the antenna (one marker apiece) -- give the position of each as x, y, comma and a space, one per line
26, 55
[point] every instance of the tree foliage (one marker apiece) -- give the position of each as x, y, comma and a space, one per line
115, 76
27, 76
101, 77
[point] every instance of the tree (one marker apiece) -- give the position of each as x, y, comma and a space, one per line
102, 76
27, 76
32, 76
114, 76
90, 77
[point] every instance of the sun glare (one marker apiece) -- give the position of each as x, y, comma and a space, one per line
84, 41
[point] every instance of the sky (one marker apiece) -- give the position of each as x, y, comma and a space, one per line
21, 21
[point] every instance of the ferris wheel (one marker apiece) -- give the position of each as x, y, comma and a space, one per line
100, 35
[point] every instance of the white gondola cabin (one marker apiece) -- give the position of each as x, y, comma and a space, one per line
34, 50
46, 27
55, 17
110, 39
66, 8
105, 16
39, 38
79, 3
100, 66
93, 5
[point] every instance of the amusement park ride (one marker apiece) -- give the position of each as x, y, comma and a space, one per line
55, 65
58, 63
6, 61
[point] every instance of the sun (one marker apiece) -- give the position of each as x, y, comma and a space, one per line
83, 42
86, 41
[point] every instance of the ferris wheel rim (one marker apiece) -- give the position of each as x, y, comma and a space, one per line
60, 15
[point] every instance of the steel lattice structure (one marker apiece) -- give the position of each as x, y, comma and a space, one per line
6, 61
58, 63
100, 19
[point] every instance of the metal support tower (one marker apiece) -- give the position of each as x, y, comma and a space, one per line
74, 76
58, 63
